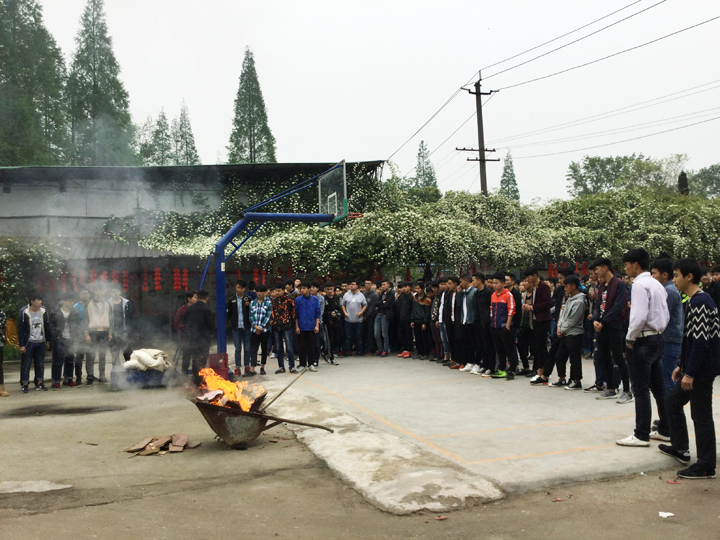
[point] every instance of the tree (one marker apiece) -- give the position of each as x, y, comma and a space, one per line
101, 126
706, 182
162, 145
251, 140
683, 186
33, 126
597, 174
142, 142
424, 170
184, 151
508, 183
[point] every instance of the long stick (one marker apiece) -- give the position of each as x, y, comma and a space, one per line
296, 422
283, 390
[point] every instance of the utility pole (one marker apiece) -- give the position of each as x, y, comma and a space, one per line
481, 137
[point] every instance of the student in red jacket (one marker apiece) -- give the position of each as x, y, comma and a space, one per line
502, 310
541, 317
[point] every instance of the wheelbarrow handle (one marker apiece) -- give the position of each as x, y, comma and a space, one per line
306, 424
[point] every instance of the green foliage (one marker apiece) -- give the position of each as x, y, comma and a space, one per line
33, 126
251, 140
428, 194
101, 127
508, 182
705, 183
683, 185
424, 170
21, 264
161, 143
184, 151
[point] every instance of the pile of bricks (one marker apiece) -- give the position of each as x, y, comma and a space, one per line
162, 444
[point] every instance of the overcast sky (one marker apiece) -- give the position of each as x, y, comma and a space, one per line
354, 80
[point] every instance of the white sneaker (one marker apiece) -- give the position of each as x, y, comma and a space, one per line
273, 355
475, 370
655, 436
632, 441
313, 368
485, 374
468, 367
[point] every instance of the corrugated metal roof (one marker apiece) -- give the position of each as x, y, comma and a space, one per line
104, 248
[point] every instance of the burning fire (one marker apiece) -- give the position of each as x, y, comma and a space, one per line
240, 393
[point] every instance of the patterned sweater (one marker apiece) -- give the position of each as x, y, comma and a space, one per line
701, 343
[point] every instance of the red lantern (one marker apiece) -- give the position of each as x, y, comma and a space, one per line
264, 276
289, 271
53, 284
408, 273
185, 279
125, 280
73, 276
158, 276
584, 268
176, 279
93, 275
115, 277
41, 284
474, 269
145, 286
63, 280
104, 276
255, 275
238, 274
380, 274
577, 267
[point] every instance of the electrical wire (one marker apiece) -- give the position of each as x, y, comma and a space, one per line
610, 55
618, 142
576, 41
609, 114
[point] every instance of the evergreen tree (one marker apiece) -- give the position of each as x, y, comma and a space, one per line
161, 142
683, 185
184, 151
508, 183
101, 127
142, 142
251, 140
33, 127
424, 170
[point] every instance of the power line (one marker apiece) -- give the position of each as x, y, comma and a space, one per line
610, 55
576, 41
618, 142
559, 37
609, 114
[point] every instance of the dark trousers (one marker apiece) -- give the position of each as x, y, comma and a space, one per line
256, 342
437, 340
647, 376
453, 333
2, 358
467, 343
62, 357
199, 357
99, 343
368, 335
525, 345
405, 336
540, 336
611, 342
185, 351
241, 340
353, 333
421, 342
505, 348
333, 334
283, 341
552, 355
701, 402
34, 355
488, 348
569, 347
307, 347
119, 344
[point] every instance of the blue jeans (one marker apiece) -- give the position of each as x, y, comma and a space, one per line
353, 332
382, 335
286, 337
647, 376
669, 363
34, 354
241, 339
444, 338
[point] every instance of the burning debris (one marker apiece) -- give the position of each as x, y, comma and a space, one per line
233, 395
162, 444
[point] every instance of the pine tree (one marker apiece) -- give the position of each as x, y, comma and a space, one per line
33, 127
508, 183
161, 141
424, 170
184, 151
101, 126
251, 140
142, 142
683, 185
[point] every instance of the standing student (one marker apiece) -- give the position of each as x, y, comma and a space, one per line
467, 324
320, 341
570, 334
385, 306
442, 283
485, 351
698, 366
121, 314
449, 313
404, 303
434, 326
331, 322
81, 347
66, 331
353, 306
525, 343
609, 314
283, 324
368, 336
260, 313
502, 310
420, 319
672, 336
238, 315
97, 334
307, 325
539, 308
201, 329
180, 326
3, 339
34, 336
649, 317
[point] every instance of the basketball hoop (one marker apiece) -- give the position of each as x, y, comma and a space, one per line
354, 215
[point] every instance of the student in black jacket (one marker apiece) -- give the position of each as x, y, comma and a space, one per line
484, 349
66, 327
404, 304
201, 329
385, 306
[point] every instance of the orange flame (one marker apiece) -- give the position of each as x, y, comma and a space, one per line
239, 392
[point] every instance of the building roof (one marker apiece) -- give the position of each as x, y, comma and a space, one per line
76, 249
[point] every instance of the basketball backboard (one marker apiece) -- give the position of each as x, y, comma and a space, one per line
332, 193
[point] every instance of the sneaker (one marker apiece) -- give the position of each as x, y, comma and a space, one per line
401, 355
383, 355
73, 383
468, 367
89, 382
455, 365
608, 394
560, 383
41, 387
279, 371
574, 385
447, 363
625, 397
499, 374
655, 436
539, 381
668, 449
535, 378
529, 373
103, 380
487, 374
655, 425
407, 354
249, 373
475, 370
293, 370
632, 440
333, 362
238, 372
313, 368
24, 389
696, 472
273, 355
66, 382
594, 389
510, 376
262, 371
56, 386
